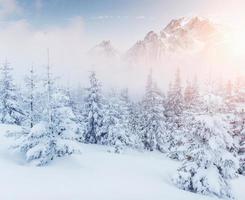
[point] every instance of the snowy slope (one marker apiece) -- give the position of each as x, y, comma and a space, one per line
94, 175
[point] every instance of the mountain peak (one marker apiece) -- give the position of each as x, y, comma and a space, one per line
105, 49
180, 35
150, 36
105, 43
193, 22
173, 25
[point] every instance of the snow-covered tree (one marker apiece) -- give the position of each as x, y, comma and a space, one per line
229, 96
77, 97
152, 118
94, 113
208, 165
174, 118
47, 140
56, 134
128, 119
241, 150
191, 95
239, 89
212, 100
175, 100
10, 110
32, 105
237, 122
117, 121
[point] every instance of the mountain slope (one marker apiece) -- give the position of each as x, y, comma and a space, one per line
180, 36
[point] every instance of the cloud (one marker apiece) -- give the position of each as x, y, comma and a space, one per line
22, 45
8, 8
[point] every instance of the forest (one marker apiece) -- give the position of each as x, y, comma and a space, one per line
200, 125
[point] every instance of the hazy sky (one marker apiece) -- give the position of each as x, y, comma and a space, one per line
122, 21
71, 27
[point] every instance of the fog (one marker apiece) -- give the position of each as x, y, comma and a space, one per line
25, 46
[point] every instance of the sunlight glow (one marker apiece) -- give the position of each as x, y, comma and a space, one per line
236, 43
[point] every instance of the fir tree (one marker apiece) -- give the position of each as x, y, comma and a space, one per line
47, 140
118, 121
10, 109
32, 99
152, 126
174, 118
191, 95
95, 131
56, 134
229, 96
175, 101
208, 165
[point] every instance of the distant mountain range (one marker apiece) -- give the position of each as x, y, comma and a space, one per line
180, 36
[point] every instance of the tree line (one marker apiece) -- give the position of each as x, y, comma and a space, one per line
203, 128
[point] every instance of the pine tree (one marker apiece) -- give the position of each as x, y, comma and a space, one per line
56, 134
135, 123
175, 101
229, 98
47, 140
95, 131
174, 118
208, 165
32, 99
237, 122
212, 99
191, 95
118, 121
152, 127
77, 96
188, 94
239, 90
127, 119
10, 111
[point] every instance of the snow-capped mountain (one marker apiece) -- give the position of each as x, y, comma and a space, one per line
192, 43
104, 49
181, 35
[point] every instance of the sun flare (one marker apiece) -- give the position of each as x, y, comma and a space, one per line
236, 43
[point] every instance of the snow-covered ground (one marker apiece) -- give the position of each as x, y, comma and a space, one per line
96, 174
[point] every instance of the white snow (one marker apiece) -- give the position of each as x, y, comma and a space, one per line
96, 174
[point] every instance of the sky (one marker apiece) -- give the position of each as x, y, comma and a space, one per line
71, 27
122, 21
